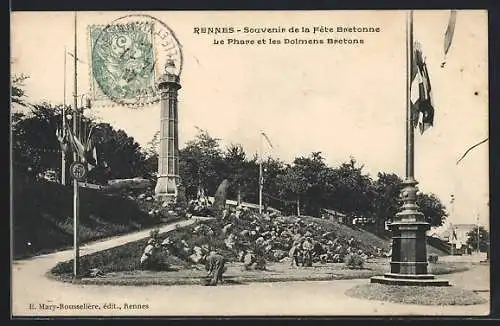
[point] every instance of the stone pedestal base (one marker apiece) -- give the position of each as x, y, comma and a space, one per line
407, 279
166, 189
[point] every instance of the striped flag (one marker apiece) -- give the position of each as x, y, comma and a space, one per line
448, 35
421, 95
86, 152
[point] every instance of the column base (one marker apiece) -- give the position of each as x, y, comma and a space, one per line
409, 280
166, 189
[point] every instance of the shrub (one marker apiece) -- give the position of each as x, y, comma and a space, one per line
354, 261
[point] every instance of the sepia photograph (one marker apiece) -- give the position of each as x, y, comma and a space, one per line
249, 163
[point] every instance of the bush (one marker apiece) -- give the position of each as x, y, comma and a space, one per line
354, 261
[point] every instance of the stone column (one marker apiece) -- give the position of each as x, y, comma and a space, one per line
168, 157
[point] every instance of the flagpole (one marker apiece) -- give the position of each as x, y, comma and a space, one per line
76, 199
409, 239
452, 215
63, 155
260, 172
410, 134
477, 221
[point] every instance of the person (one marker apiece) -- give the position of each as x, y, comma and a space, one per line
215, 265
148, 258
308, 247
294, 254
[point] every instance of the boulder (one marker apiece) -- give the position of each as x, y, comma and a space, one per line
95, 272
279, 254
226, 228
230, 241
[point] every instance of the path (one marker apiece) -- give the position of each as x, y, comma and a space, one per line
31, 286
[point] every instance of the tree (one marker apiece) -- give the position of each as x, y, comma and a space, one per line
353, 190
17, 89
201, 164
235, 160
35, 145
484, 239
432, 208
386, 203
293, 182
122, 154
272, 168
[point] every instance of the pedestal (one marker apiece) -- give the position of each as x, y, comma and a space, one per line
166, 189
409, 245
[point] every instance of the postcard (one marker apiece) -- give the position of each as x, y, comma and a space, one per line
250, 163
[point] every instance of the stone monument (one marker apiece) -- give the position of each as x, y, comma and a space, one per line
168, 159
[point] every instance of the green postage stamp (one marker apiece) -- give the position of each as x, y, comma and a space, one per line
123, 62
127, 57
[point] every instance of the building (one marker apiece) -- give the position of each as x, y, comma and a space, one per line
446, 233
254, 207
332, 214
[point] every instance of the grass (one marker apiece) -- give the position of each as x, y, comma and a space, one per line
420, 295
121, 270
121, 264
369, 240
43, 217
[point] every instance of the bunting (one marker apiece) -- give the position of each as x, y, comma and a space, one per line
86, 152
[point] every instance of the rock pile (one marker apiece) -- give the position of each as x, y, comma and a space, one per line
248, 237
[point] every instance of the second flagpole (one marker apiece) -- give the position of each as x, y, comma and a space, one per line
76, 199
260, 172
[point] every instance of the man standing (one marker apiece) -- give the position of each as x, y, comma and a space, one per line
215, 265
307, 247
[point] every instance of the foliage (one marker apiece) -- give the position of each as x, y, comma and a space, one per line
122, 154
17, 94
354, 261
432, 208
35, 146
484, 239
202, 164
308, 182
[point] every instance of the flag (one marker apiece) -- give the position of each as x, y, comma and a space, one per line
267, 139
76, 145
420, 93
448, 35
90, 154
63, 141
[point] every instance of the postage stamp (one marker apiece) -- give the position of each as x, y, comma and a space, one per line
125, 55
282, 163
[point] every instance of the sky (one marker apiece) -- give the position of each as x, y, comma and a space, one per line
342, 100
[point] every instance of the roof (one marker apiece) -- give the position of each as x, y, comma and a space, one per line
243, 204
333, 212
464, 226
